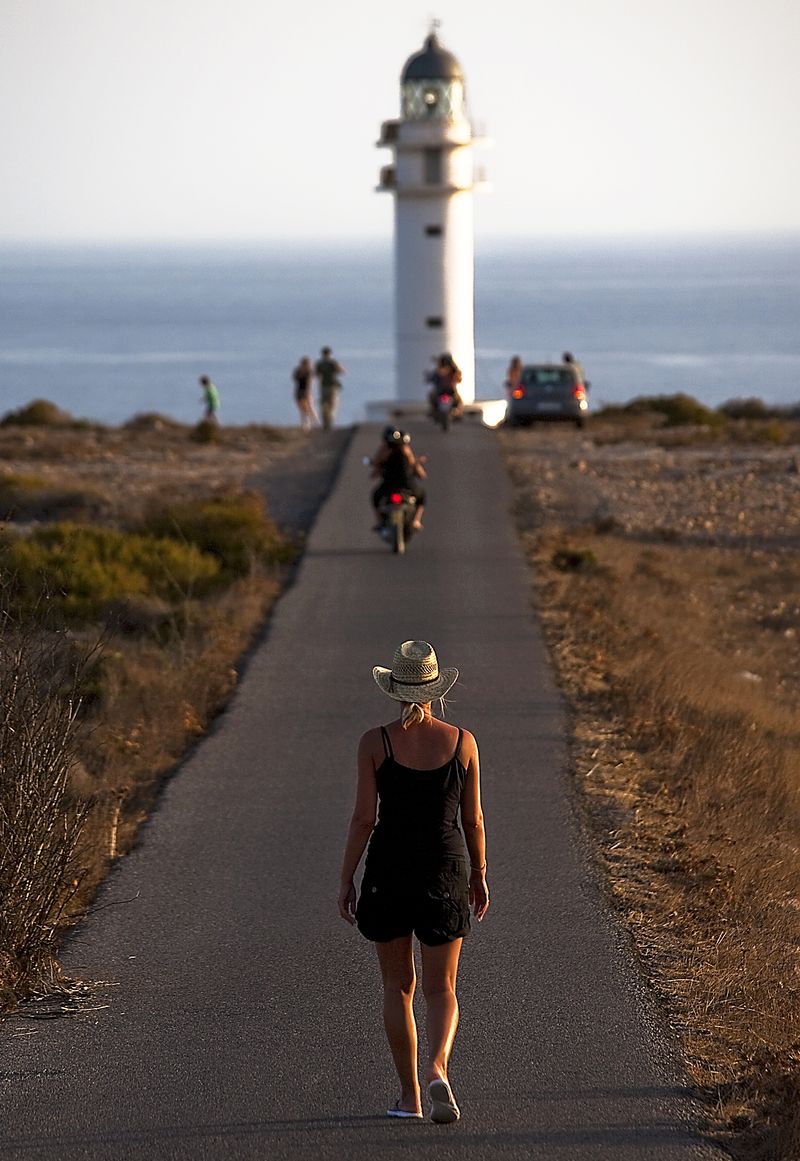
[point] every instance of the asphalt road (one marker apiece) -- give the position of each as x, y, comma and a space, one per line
240, 1017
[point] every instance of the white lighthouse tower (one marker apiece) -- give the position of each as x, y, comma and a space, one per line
432, 178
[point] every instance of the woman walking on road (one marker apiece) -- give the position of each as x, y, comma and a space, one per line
419, 773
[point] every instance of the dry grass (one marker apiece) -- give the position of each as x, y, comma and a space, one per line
680, 663
153, 700
41, 818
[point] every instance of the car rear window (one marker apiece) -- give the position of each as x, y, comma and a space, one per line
547, 377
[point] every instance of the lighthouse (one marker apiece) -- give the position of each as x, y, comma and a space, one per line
432, 179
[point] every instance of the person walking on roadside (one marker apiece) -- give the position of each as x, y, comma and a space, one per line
210, 399
302, 376
420, 774
513, 375
328, 372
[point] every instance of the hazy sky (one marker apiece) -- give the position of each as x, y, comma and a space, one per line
234, 119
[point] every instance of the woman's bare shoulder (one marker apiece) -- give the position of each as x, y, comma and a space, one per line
370, 738
469, 747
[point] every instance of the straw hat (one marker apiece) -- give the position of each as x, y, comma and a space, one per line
415, 675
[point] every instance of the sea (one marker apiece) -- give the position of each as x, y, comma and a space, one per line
109, 332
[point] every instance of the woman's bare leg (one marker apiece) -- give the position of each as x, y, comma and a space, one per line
439, 971
396, 958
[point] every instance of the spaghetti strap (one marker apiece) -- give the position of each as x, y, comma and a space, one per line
458, 745
387, 745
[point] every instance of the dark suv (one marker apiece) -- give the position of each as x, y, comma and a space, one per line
548, 391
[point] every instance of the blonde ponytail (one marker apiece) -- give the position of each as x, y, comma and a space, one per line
412, 715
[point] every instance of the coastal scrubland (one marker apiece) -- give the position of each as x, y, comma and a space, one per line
666, 570
137, 564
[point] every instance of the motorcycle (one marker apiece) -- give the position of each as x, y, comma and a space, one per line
396, 512
443, 410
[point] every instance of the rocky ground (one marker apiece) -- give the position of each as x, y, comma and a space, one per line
652, 486
120, 471
666, 572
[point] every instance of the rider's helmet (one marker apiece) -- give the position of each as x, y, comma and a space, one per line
394, 437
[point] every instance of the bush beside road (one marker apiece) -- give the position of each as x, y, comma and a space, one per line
137, 566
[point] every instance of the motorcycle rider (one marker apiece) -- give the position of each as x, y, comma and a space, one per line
444, 380
400, 471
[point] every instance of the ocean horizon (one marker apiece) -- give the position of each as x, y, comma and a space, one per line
108, 331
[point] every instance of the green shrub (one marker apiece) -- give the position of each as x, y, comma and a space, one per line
772, 432
574, 560
206, 431
33, 498
744, 409
152, 421
39, 413
234, 527
681, 409
80, 569
14, 483
676, 410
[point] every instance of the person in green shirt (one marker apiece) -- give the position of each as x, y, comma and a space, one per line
328, 371
210, 398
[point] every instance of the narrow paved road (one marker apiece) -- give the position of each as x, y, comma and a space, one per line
242, 1017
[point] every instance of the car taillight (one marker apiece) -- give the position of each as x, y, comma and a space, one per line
395, 498
579, 391
517, 393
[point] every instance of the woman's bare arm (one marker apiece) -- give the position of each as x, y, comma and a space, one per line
362, 823
414, 463
474, 831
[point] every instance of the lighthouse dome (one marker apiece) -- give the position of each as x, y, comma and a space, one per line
434, 63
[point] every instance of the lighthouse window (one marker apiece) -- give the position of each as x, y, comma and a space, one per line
433, 166
433, 231
434, 322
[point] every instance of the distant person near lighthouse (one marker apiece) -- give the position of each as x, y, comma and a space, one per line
210, 398
302, 376
328, 372
571, 361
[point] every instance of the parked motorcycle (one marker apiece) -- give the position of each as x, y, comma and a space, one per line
396, 512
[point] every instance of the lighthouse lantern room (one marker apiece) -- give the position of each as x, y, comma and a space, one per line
432, 179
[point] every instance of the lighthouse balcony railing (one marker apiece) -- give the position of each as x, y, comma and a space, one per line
479, 133
432, 134
389, 132
418, 189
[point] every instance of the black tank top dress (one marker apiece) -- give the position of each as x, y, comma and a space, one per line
415, 877
396, 472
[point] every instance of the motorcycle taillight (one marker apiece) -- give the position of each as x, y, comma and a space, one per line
395, 498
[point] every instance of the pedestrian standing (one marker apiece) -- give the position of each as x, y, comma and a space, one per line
210, 399
513, 375
420, 774
302, 376
571, 361
328, 372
